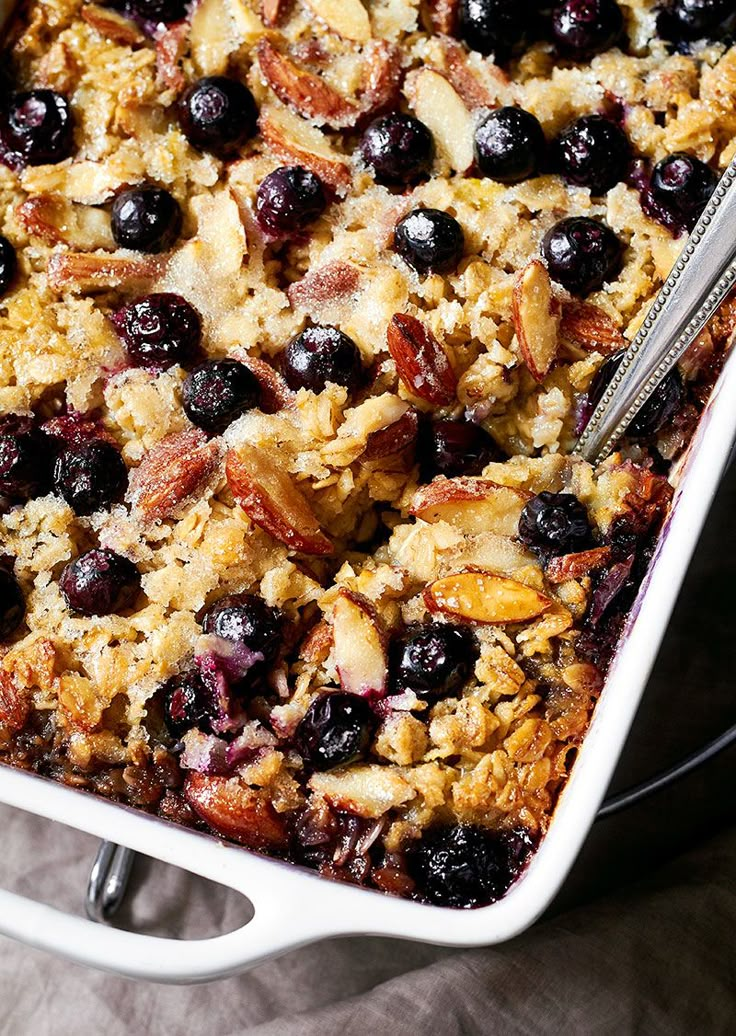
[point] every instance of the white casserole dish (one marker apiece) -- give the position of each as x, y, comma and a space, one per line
291, 906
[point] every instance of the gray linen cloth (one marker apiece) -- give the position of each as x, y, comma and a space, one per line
640, 940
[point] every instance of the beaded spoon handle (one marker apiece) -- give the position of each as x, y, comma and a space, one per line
697, 285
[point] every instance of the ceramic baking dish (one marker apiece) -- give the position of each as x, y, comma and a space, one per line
291, 906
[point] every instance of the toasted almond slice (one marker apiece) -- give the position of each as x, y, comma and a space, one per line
317, 643
393, 439
275, 393
575, 566
536, 318
437, 104
272, 501
421, 362
348, 18
111, 25
473, 92
82, 272
440, 16
172, 474
381, 77
55, 220
236, 811
325, 286
212, 37
294, 140
485, 597
472, 505
15, 702
360, 645
272, 11
170, 49
309, 95
366, 791
587, 327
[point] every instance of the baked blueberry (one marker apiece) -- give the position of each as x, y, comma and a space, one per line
159, 330
433, 659
319, 355
217, 393
679, 189
495, 27
187, 702
248, 620
582, 28
555, 523
289, 199
660, 408
8, 264
452, 448
430, 241
100, 582
12, 604
25, 459
218, 114
509, 145
466, 866
145, 218
592, 152
157, 11
336, 729
582, 254
683, 20
90, 475
36, 128
397, 148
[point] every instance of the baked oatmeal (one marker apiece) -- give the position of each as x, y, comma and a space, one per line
303, 307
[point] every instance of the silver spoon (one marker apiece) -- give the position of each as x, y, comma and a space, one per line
697, 285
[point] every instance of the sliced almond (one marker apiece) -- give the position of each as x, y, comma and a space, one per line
309, 95
348, 18
440, 16
324, 288
457, 69
172, 474
55, 219
360, 646
111, 25
421, 362
575, 566
486, 598
275, 393
438, 105
472, 505
393, 439
381, 77
81, 272
536, 314
272, 11
271, 500
15, 702
317, 643
236, 811
366, 791
212, 37
295, 141
171, 46
585, 326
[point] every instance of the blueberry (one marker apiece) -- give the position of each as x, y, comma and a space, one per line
430, 241
100, 582
12, 604
398, 148
248, 620
36, 128
660, 408
679, 189
466, 866
434, 659
157, 11
582, 254
337, 728
509, 145
159, 330
694, 19
146, 219
25, 459
90, 475
187, 702
592, 152
495, 26
319, 355
583, 28
8, 264
555, 523
218, 114
452, 448
288, 200
217, 393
